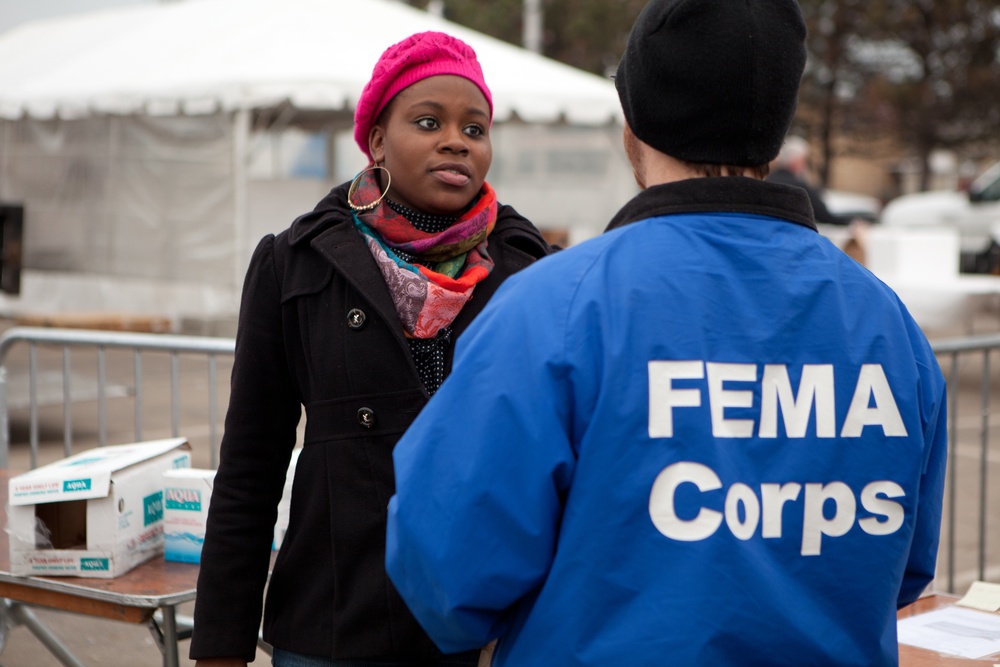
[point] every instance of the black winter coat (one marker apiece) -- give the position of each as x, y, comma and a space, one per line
318, 329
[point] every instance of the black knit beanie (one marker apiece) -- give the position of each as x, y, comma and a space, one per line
713, 81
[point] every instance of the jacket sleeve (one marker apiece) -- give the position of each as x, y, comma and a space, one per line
926, 535
481, 476
259, 436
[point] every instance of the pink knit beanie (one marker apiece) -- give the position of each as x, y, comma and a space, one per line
417, 57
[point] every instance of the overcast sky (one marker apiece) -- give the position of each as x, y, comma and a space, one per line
15, 12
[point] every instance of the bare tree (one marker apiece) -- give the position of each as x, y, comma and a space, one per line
937, 66
502, 19
832, 86
588, 34
922, 72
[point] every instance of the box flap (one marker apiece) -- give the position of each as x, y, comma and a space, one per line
84, 475
190, 473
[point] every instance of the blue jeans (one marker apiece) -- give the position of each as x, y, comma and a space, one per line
289, 659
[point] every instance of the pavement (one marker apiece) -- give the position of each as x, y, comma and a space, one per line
93, 641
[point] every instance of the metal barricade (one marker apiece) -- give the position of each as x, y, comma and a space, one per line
970, 532
49, 379
39, 386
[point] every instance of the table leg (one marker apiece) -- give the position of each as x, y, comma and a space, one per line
25, 617
6, 622
170, 653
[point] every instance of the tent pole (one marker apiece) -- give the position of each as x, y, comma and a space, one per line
331, 154
531, 33
6, 148
241, 142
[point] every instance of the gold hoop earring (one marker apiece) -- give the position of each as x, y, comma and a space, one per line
354, 187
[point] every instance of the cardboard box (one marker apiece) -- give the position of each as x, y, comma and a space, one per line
186, 496
98, 513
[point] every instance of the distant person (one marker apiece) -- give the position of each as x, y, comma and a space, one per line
791, 167
352, 313
706, 437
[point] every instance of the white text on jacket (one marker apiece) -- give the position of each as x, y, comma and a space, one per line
872, 405
815, 389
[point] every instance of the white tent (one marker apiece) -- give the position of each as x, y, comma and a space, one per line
128, 135
202, 55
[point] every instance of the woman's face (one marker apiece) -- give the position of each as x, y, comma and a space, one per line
435, 142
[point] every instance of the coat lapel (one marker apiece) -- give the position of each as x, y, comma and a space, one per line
345, 249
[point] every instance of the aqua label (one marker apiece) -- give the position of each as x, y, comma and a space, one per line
94, 564
152, 508
183, 499
76, 485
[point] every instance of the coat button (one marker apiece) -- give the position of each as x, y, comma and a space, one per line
356, 318
366, 417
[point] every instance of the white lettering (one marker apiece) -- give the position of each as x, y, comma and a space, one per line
720, 398
892, 511
741, 494
815, 385
872, 404
773, 498
872, 384
661, 502
663, 397
741, 499
815, 524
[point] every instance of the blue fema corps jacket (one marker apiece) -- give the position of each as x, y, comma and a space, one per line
723, 443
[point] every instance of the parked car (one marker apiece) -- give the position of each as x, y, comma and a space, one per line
852, 205
975, 213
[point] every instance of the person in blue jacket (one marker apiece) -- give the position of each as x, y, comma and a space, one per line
721, 441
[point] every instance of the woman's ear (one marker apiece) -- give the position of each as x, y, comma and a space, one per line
376, 144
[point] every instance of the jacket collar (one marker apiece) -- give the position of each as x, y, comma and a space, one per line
726, 194
329, 211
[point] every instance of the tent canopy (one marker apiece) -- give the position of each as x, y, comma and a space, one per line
203, 56
129, 134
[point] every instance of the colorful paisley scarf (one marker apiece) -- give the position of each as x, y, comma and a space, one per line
428, 295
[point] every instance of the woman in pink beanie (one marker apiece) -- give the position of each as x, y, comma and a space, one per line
351, 314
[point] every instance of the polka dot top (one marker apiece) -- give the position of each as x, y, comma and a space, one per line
427, 353
428, 356
425, 222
